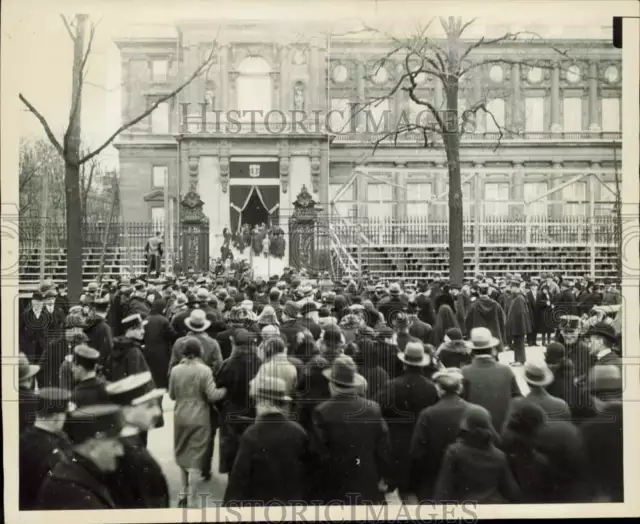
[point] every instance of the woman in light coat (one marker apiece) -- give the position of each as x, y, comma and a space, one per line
192, 388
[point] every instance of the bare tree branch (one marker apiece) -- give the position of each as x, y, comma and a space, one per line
68, 27
76, 101
43, 122
205, 65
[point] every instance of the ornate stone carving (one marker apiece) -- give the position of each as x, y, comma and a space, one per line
299, 92
224, 165
194, 162
192, 208
275, 78
315, 166
284, 165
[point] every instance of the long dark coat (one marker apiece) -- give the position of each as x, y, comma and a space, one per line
401, 402
544, 322
115, 314
564, 303
351, 440
40, 451
563, 445
34, 333
100, 337
137, 305
490, 385
485, 312
437, 427
126, 358
89, 392
236, 409
75, 483
518, 317
27, 407
158, 340
224, 339
50, 362
313, 389
604, 446
586, 302
271, 463
139, 481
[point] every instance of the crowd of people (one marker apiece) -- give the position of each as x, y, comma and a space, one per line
262, 240
320, 389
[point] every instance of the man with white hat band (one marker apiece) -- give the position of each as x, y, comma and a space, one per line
139, 481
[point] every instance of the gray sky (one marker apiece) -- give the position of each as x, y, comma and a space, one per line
42, 66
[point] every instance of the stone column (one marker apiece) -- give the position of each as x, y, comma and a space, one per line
477, 92
360, 72
400, 193
124, 89
594, 125
516, 112
556, 126
224, 79
194, 114
324, 176
285, 84
555, 179
314, 74
516, 191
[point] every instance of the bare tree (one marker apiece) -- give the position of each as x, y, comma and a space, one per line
450, 62
69, 147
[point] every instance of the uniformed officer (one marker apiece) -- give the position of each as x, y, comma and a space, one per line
43, 444
89, 387
139, 481
77, 482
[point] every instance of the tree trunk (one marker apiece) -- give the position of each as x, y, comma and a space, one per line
72, 170
74, 232
456, 215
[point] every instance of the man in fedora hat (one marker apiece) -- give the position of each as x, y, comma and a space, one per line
271, 460
487, 313
392, 304
538, 377
26, 398
600, 341
98, 330
518, 323
35, 328
197, 325
79, 483
436, 428
351, 441
487, 382
401, 401
138, 482
43, 444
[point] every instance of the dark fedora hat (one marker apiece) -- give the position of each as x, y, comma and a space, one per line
344, 373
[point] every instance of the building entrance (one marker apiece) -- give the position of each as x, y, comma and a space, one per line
254, 205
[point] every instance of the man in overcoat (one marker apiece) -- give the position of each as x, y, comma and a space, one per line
401, 401
518, 323
487, 313
351, 441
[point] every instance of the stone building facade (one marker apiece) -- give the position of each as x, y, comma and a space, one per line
563, 120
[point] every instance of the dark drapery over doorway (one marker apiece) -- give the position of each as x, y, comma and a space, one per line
253, 205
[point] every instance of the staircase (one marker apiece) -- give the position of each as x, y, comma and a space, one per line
116, 261
408, 262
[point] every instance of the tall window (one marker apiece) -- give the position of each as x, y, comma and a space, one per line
418, 191
160, 119
254, 88
606, 202
533, 190
377, 118
496, 196
340, 116
380, 200
159, 70
610, 115
572, 108
157, 217
345, 210
159, 174
497, 108
575, 198
534, 115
